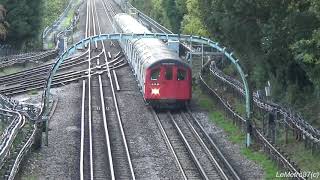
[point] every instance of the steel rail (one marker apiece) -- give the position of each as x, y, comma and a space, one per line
19, 90
83, 122
35, 76
33, 58
104, 118
94, 26
168, 143
82, 129
117, 108
219, 167
22, 152
87, 17
116, 58
90, 101
110, 8
105, 124
216, 148
204, 146
38, 69
9, 134
116, 80
106, 11
40, 83
184, 140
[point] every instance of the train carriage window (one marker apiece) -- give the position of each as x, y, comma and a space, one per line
181, 75
168, 74
155, 73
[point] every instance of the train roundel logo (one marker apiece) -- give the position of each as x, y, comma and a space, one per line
155, 91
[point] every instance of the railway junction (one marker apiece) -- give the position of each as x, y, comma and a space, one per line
91, 122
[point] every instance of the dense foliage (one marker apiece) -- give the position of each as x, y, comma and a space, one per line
23, 16
276, 40
25, 19
53, 9
4, 26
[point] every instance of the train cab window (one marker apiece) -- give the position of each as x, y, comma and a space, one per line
181, 75
155, 73
169, 73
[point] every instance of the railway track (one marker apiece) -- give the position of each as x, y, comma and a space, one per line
104, 151
35, 83
193, 159
40, 71
26, 57
196, 156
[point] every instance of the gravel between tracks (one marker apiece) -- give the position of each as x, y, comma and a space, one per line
150, 157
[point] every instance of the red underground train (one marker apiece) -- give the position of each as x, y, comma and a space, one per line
164, 79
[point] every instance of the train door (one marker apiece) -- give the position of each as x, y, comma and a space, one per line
168, 87
182, 83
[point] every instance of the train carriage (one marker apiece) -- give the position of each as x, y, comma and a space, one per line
163, 77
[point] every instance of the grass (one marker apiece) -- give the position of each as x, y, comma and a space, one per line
235, 135
68, 19
10, 70
301, 156
268, 165
32, 92
16, 68
295, 150
298, 153
240, 107
50, 45
51, 11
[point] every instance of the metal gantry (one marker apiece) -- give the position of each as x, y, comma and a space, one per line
161, 36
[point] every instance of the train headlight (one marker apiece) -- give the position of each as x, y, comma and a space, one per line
155, 91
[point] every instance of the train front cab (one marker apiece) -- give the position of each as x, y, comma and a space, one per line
168, 85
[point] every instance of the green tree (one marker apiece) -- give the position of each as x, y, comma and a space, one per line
24, 19
4, 25
192, 21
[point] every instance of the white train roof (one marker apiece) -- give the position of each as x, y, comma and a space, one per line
152, 50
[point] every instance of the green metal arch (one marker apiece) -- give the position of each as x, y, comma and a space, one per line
162, 36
